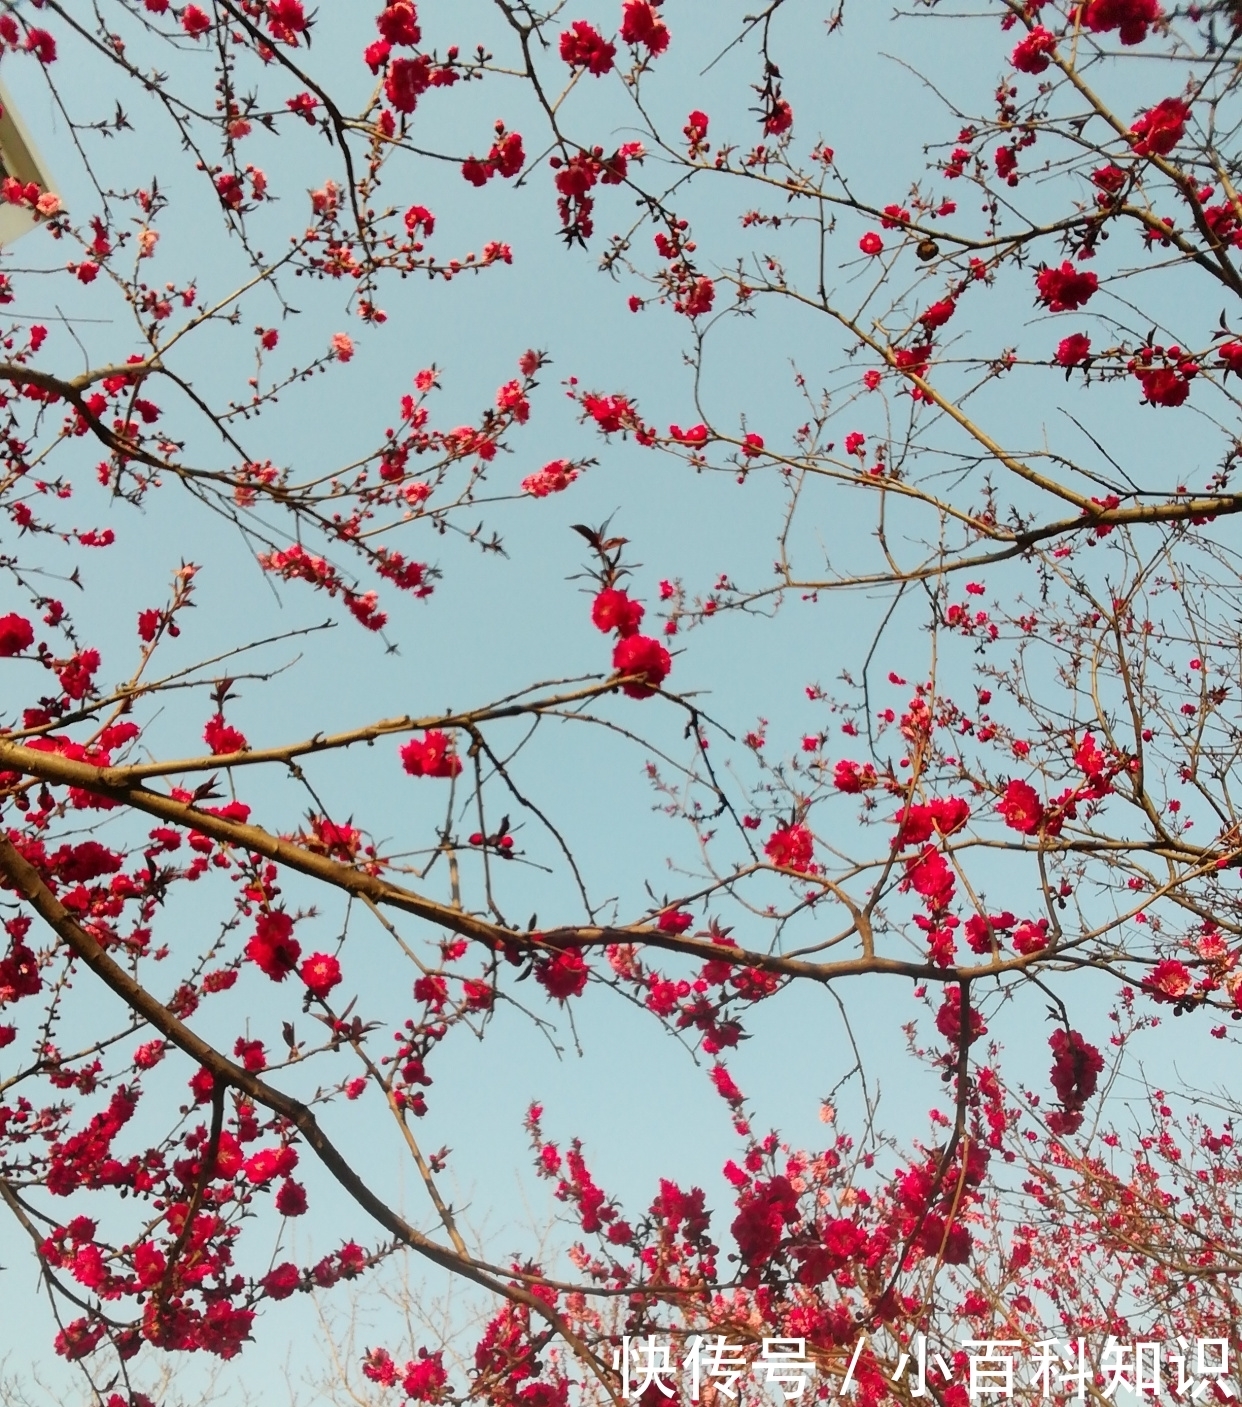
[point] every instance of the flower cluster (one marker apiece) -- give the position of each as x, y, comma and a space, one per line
506, 158
432, 755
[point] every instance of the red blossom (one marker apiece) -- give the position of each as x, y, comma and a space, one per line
641, 24
791, 848
930, 875
779, 120
19, 974
79, 1338
695, 435
221, 738
1030, 937
432, 755
273, 948
42, 45
424, 1380
398, 23
554, 477
282, 1281
583, 46
645, 660
1021, 807
77, 674
291, 1199
674, 921
270, 1163
854, 777
1168, 981
614, 610
251, 1054
1131, 17
406, 81
765, 1210
938, 314
321, 972
1076, 1067
1161, 128
194, 21
1230, 354
1073, 350
375, 56
303, 105
1165, 385
563, 975
506, 158
949, 1018
507, 155
432, 990
286, 19
417, 218
1032, 54
697, 299
16, 635
1064, 289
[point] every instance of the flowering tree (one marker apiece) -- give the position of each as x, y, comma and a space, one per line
1045, 704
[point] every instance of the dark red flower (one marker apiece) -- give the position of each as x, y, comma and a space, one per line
583, 46
431, 756
406, 81
563, 975
291, 1199
791, 847
273, 948
1064, 289
16, 635
286, 19
674, 921
614, 610
222, 739
1073, 350
779, 120
640, 24
1168, 981
1032, 54
1161, 128
398, 23
281, 1282
1130, 17
1163, 385
938, 314
646, 660
1021, 807
41, 44
321, 972
194, 21
425, 1378
1076, 1067
930, 876
854, 777
949, 1018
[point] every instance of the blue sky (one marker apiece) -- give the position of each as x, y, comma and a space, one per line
496, 623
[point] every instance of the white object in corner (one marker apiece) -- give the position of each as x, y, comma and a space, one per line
19, 157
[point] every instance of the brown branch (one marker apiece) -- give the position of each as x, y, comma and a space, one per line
61, 771
25, 879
